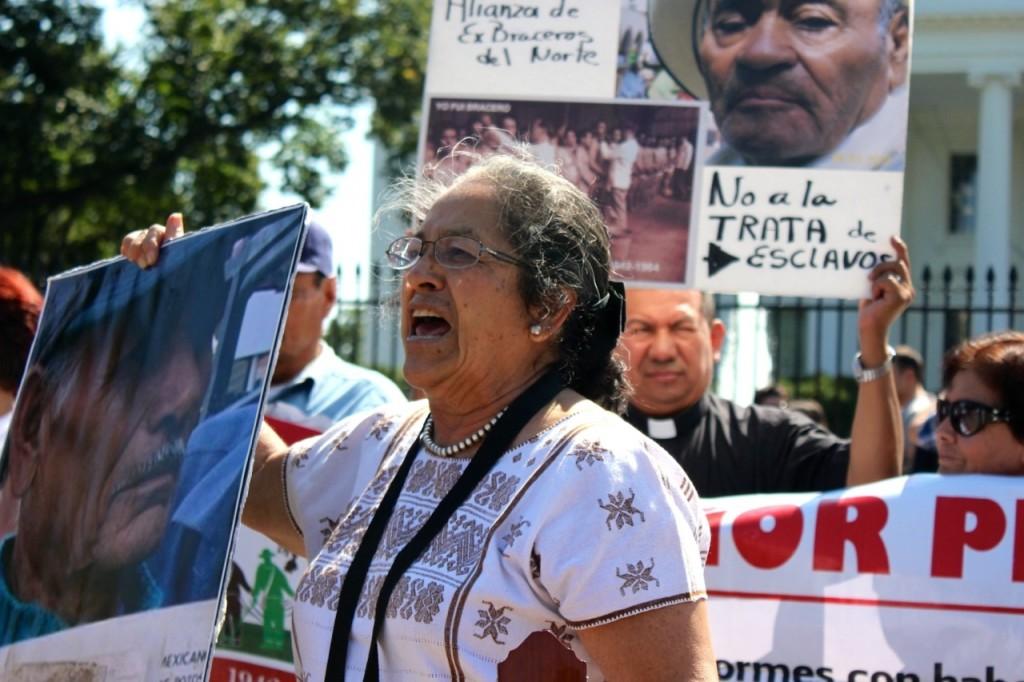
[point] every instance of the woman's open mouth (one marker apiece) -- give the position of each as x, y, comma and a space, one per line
426, 324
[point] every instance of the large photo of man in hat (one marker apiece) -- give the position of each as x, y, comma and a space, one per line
126, 364
799, 83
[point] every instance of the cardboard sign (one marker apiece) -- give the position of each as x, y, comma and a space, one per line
789, 231
128, 453
792, 114
775, 126
564, 48
915, 579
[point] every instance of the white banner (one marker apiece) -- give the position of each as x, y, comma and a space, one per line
918, 579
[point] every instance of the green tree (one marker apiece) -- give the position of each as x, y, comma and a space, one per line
98, 143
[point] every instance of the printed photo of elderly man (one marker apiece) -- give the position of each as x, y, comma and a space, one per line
127, 363
797, 83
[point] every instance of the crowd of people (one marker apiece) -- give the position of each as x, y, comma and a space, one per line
458, 522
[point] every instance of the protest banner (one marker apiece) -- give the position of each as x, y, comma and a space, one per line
129, 450
816, 108
633, 159
917, 579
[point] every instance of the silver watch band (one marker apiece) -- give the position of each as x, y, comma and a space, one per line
864, 374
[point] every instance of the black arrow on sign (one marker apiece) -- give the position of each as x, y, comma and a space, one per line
717, 259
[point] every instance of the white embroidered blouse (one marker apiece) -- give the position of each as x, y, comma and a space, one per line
586, 523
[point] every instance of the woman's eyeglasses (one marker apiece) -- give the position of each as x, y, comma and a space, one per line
968, 417
453, 252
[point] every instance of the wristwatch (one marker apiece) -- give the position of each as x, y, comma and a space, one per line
865, 374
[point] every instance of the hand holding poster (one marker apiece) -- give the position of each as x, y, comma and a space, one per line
116, 562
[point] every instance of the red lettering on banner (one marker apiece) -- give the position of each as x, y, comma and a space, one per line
951, 536
768, 549
714, 524
233, 670
833, 530
1018, 545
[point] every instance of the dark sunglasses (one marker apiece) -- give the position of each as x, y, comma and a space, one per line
968, 417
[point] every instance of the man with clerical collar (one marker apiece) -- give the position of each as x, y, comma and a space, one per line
671, 343
794, 82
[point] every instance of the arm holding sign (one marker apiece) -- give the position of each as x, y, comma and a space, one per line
876, 441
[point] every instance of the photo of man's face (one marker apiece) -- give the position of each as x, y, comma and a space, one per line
116, 483
123, 470
788, 80
94, 462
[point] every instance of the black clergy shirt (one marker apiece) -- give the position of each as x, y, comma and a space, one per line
730, 450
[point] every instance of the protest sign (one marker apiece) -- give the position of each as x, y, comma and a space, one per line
917, 579
784, 231
635, 160
129, 446
563, 48
795, 112
255, 636
829, 116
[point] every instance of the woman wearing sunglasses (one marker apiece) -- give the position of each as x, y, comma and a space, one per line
981, 417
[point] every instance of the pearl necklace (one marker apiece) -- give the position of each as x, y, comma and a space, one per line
427, 438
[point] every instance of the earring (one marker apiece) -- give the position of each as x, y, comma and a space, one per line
536, 329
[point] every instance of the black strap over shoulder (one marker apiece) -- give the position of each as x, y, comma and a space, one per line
496, 442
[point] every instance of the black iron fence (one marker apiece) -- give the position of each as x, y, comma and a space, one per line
809, 342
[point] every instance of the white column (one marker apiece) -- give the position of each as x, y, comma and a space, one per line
995, 170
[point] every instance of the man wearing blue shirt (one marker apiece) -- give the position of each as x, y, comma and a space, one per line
311, 385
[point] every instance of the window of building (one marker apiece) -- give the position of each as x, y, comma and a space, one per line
963, 193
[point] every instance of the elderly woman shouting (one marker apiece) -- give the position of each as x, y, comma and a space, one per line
442, 533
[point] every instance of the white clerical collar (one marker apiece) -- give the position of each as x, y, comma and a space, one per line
661, 429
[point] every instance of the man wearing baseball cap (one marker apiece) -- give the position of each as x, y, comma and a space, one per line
794, 82
311, 385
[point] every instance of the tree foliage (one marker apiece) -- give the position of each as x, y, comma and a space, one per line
97, 143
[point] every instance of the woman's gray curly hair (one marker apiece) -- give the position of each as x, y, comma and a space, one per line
557, 231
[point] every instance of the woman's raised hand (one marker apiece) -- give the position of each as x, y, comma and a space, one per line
142, 247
